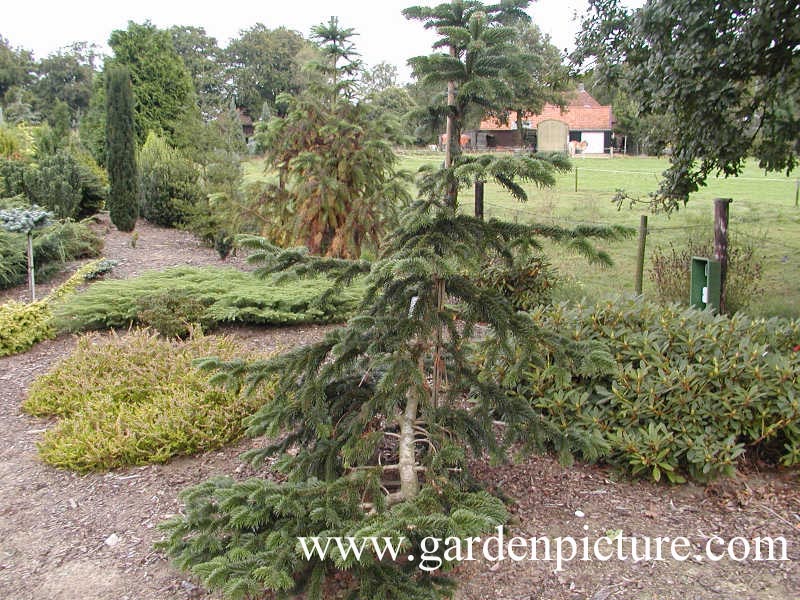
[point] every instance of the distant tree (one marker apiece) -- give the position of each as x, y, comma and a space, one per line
204, 60
379, 88
19, 106
92, 124
163, 87
16, 67
121, 149
222, 212
263, 63
65, 76
428, 116
538, 77
637, 133
165, 99
394, 103
378, 78
728, 71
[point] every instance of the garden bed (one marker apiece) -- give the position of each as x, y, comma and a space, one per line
91, 537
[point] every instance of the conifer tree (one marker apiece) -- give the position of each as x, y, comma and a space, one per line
373, 427
339, 187
478, 65
121, 150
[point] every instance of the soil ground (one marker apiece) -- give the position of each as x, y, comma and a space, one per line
70, 537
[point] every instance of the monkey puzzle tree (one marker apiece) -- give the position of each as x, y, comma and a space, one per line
373, 427
367, 441
339, 188
477, 63
496, 62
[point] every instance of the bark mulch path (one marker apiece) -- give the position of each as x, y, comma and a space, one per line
65, 536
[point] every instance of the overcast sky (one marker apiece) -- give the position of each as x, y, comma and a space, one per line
44, 26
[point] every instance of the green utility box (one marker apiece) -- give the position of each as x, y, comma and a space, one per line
706, 283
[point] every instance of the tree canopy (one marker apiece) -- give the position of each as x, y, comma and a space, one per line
727, 70
262, 63
162, 85
203, 59
16, 66
65, 76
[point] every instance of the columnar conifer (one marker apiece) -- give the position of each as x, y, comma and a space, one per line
121, 149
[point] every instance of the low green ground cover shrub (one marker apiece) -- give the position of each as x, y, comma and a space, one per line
137, 399
661, 391
24, 324
172, 299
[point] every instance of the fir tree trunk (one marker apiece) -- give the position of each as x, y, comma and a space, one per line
438, 358
453, 137
479, 199
519, 133
407, 461
448, 151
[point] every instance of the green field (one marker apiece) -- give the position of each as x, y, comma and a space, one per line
763, 213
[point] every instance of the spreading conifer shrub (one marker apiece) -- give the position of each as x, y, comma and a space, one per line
174, 313
226, 295
243, 537
136, 399
660, 391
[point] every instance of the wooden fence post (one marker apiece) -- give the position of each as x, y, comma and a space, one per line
721, 206
640, 255
479, 199
576, 179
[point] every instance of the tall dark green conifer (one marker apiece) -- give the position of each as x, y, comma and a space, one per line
121, 149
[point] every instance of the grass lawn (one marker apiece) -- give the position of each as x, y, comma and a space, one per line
763, 213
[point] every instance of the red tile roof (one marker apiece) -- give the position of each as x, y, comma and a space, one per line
581, 113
